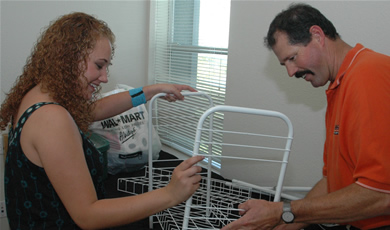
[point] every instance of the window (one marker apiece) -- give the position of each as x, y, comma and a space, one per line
190, 46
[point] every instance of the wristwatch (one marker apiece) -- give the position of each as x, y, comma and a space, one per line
287, 215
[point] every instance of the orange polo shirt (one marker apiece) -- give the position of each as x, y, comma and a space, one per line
357, 146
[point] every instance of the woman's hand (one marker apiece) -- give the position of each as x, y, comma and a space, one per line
185, 179
173, 91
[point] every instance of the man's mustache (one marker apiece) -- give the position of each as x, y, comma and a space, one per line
300, 74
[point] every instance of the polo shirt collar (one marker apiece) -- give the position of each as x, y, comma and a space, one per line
349, 58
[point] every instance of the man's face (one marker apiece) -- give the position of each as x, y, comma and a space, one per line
301, 61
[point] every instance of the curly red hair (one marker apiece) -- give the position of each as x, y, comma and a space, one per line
57, 61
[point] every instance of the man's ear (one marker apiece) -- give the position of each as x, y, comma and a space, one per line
317, 34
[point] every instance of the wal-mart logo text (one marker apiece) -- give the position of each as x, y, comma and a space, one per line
114, 122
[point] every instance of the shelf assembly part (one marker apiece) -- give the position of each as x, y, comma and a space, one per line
215, 203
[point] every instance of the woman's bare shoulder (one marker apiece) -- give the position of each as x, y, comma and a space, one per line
48, 130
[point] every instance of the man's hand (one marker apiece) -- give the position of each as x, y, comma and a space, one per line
257, 214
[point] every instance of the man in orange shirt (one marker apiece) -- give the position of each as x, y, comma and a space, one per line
355, 188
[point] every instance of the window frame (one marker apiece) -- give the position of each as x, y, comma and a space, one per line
167, 35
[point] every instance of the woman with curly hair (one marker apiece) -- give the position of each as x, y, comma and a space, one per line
53, 173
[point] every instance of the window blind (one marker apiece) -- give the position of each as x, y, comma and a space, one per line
190, 46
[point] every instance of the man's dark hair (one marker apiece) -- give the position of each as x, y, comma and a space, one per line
296, 22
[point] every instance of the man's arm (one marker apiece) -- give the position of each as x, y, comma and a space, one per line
320, 189
259, 212
351, 203
348, 204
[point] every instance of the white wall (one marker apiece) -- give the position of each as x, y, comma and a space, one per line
256, 79
22, 21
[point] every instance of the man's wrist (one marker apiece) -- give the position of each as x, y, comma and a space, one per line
287, 215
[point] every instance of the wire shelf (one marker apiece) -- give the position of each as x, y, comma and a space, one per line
215, 203
225, 197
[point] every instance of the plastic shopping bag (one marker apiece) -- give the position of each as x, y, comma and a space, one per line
128, 137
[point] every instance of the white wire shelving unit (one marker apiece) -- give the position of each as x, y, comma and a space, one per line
215, 203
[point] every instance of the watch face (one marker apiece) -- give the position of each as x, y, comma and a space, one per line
288, 217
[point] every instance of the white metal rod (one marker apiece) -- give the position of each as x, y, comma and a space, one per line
150, 132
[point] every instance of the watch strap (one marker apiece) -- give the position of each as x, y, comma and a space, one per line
286, 206
287, 215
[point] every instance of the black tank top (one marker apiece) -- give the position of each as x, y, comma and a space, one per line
31, 201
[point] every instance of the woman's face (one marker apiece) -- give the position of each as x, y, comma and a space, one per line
97, 66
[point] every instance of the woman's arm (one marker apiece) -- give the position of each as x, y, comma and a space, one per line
118, 103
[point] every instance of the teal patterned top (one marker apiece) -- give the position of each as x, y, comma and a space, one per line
31, 201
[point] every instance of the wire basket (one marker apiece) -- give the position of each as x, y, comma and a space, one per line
225, 197
215, 203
